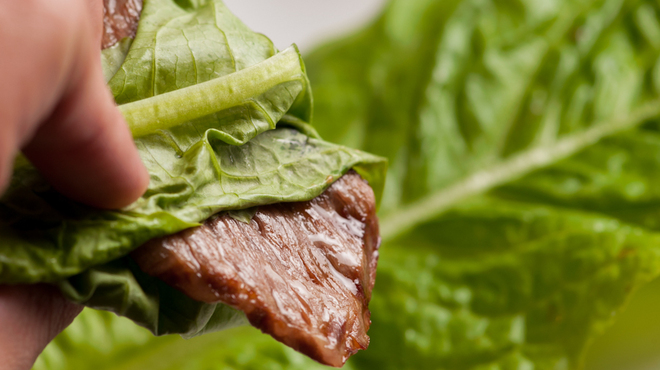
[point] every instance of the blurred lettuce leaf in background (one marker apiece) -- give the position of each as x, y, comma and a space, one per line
521, 211
101, 340
633, 341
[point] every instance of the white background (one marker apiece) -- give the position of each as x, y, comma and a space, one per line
304, 22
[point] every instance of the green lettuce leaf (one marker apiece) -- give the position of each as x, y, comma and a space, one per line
119, 344
219, 118
181, 44
520, 213
113, 57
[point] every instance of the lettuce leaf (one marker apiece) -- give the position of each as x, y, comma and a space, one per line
119, 344
520, 212
219, 118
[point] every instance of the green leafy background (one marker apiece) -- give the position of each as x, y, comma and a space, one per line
521, 211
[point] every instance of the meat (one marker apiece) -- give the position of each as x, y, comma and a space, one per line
302, 272
120, 19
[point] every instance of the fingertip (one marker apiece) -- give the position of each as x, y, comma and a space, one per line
84, 147
103, 170
120, 193
87, 152
125, 190
125, 178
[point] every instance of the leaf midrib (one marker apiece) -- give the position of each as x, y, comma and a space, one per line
407, 217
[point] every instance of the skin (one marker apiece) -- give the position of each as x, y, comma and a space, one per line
56, 109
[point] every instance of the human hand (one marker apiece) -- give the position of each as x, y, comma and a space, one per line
56, 108
30, 317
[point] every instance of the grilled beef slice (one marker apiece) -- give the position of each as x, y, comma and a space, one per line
120, 19
302, 272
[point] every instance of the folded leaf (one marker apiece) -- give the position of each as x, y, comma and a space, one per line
219, 120
181, 44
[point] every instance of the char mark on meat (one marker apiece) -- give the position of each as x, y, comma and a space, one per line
120, 19
302, 272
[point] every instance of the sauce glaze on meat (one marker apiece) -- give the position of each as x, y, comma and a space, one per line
120, 19
302, 272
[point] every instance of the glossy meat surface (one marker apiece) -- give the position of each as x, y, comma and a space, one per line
120, 19
302, 272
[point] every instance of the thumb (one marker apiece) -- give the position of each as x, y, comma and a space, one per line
85, 149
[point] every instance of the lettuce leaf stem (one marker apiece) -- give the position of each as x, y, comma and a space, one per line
176, 107
515, 167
